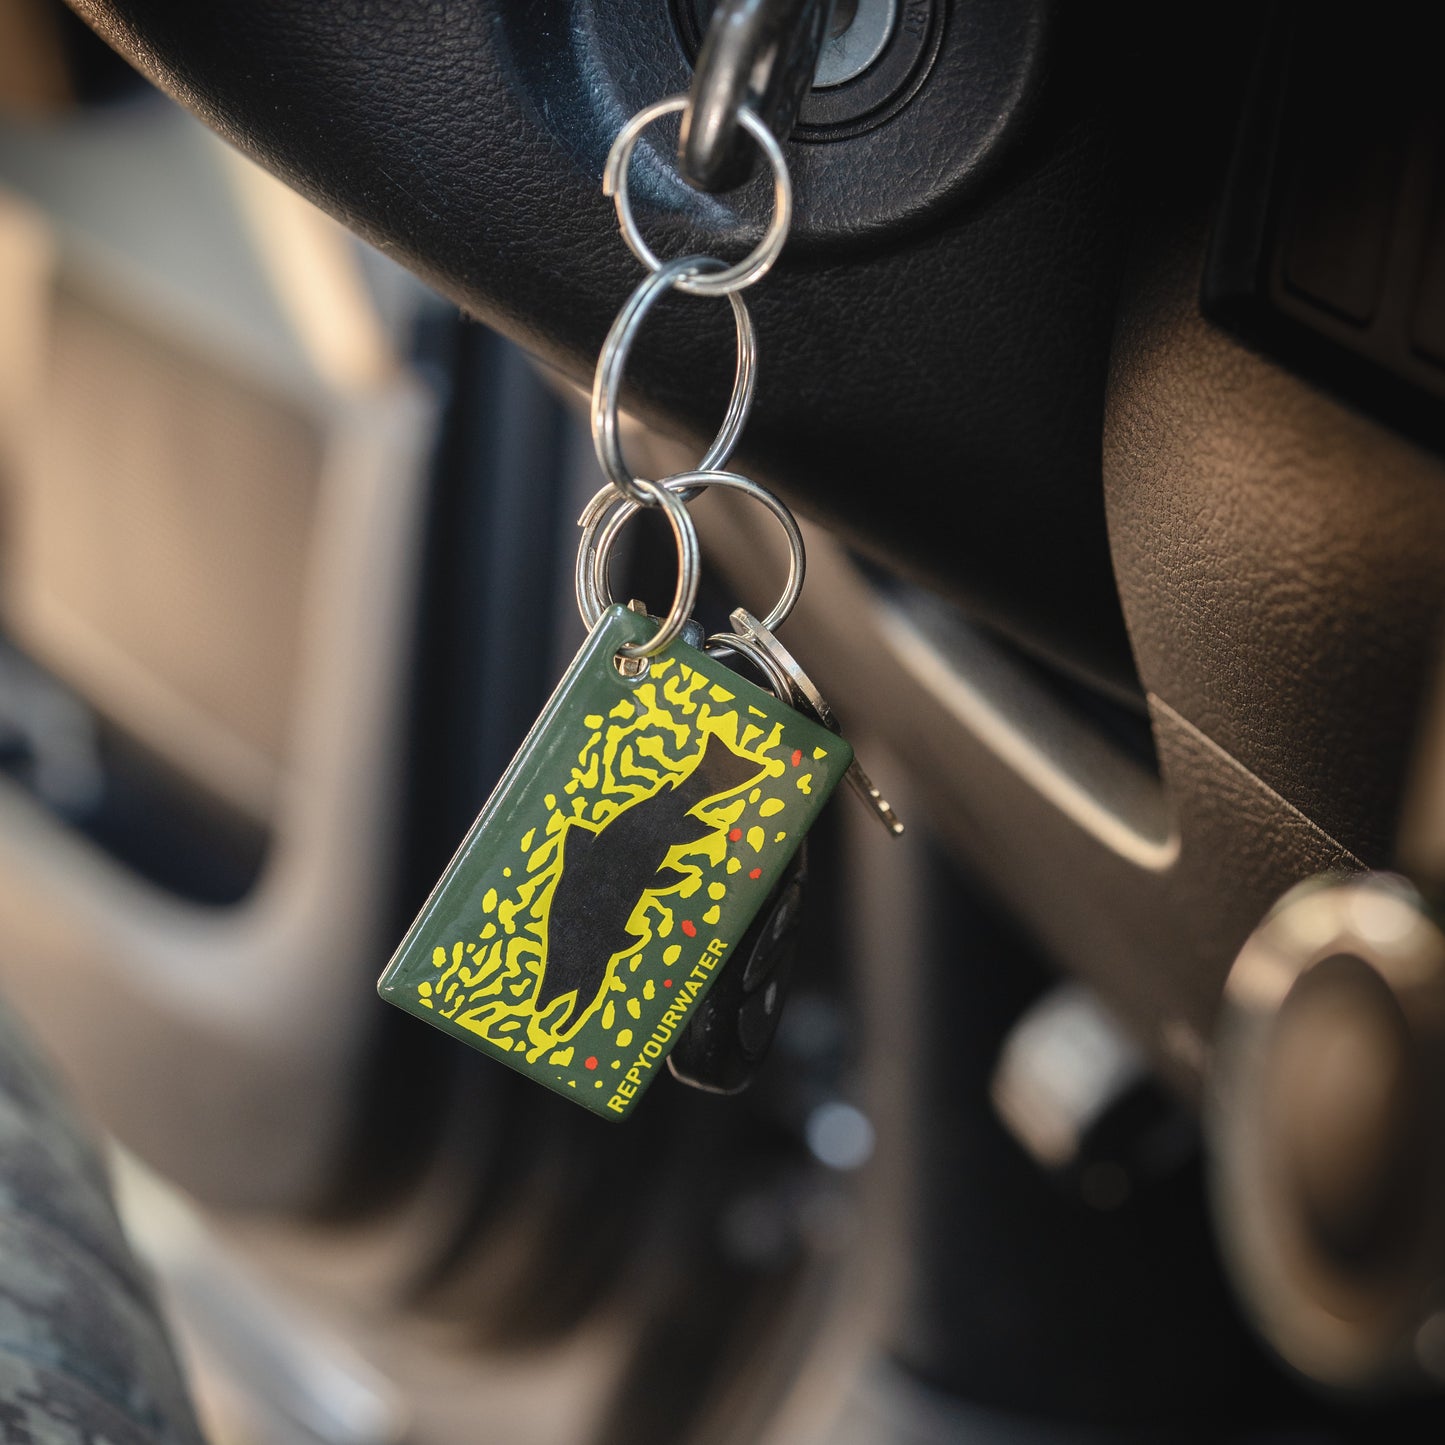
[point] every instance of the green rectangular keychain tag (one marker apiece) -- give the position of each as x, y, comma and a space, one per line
629, 844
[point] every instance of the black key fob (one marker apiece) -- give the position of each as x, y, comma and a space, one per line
728, 1038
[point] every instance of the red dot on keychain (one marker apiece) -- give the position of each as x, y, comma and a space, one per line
590, 1062
734, 834
689, 927
797, 756
756, 873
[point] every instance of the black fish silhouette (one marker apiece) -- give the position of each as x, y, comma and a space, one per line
604, 873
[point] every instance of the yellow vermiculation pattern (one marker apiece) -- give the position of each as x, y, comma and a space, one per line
488, 983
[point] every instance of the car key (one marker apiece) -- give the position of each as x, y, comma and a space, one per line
804, 695
643, 824
660, 799
728, 1038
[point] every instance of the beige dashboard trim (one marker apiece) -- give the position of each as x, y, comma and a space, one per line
980, 714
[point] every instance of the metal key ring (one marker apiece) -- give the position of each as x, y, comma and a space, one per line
689, 566
759, 261
605, 515
746, 648
607, 381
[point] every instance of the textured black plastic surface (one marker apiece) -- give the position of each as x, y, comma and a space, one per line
1279, 560
730, 1033
83, 1355
1328, 253
935, 395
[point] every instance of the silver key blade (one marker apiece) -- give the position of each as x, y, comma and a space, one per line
804, 696
862, 784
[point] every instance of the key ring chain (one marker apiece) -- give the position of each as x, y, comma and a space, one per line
613, 361
702, 275
648, 837
689, 562
754, 266
605, 515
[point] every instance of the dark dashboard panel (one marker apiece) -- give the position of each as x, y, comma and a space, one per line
936, 396
1329, 249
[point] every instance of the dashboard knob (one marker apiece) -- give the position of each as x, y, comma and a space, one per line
1325, 1122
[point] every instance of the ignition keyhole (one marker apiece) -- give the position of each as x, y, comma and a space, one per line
860, 31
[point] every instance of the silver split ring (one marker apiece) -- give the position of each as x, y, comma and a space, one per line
605, 515
758, 262
689, 564
611, 364
750, 651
